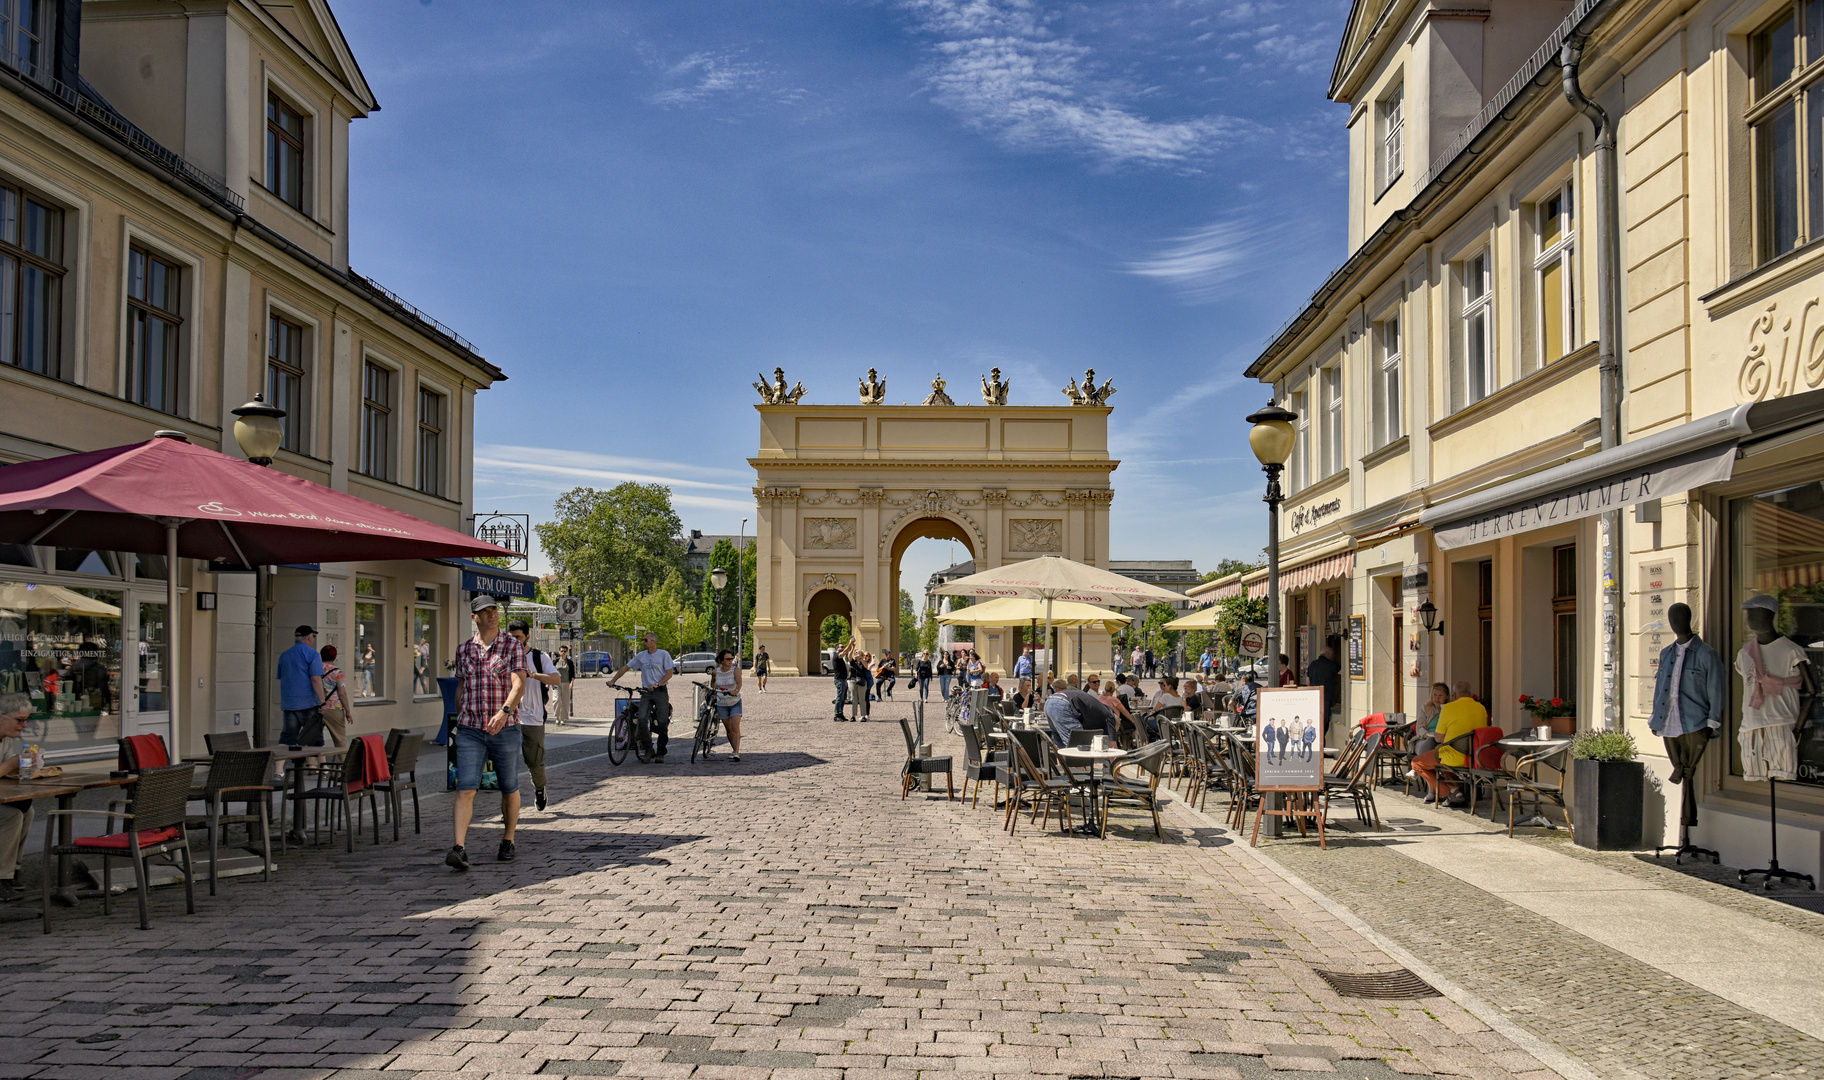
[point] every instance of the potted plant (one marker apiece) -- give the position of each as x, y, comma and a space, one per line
1608, 797
1557, 712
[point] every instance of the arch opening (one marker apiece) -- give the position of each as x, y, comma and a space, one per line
924, 528
824, 605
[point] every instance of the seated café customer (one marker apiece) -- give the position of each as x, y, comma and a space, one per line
1071, 710
1193, 698
992, 684
1124, 720
1460, 717
15, 818
1023, 697
1127, 686
1166, 696
1425, 728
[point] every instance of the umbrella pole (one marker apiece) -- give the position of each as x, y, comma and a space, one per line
174, 684
1049, 658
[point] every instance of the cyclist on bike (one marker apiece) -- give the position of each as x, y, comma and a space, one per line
656, 669
727, 681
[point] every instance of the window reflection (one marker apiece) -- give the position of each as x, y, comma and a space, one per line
61, 647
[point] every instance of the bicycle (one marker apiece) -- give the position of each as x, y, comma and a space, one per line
639, 732
956, 710
707, 724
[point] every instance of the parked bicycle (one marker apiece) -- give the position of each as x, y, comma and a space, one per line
956, 709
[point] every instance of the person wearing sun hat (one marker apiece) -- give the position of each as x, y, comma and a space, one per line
1776, 683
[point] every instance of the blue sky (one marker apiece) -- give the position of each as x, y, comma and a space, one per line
635, 207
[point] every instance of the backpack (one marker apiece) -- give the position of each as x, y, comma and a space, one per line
538, 665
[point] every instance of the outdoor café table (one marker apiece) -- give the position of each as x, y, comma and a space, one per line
1539, 751
1094, 758
296, 758
74, 780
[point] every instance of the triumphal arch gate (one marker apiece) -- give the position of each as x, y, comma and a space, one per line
843, 490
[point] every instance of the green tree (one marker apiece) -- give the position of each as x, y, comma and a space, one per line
1231, 614
908, 624
1229, 566
835, 632
623, 539
927, 634
962, 633
658, 610
1153, 628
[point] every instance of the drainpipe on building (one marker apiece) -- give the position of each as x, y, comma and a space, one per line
1608, 328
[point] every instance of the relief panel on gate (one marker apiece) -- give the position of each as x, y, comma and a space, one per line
829, 534
1035, 534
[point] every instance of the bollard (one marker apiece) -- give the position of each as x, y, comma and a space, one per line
924, 779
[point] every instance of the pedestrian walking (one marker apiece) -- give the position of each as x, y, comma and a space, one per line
543, 673
763, 666
566, 674
726, 679
301, 693
922, 671
336, 709
839, 667
490, 684
946, 670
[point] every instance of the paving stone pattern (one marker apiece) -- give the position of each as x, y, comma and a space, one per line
788, 917
1619, 1016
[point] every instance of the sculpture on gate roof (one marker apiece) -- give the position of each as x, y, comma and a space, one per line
873, 389
1090, 394
994, 388
776, 393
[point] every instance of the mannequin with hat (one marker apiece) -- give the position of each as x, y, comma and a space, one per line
1777, 687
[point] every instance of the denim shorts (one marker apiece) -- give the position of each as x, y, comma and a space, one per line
475, 746
723, 712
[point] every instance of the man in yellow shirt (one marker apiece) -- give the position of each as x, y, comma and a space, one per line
1461, 715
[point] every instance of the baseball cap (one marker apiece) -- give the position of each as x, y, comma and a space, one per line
1763, 601
482, 603
305, 631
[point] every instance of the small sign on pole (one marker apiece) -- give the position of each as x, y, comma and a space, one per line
1358, 647
1253, 640
570, 610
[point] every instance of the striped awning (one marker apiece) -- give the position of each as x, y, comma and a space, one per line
1303, 576
1787, 547
1227, 592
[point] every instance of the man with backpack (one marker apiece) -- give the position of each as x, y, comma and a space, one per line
544, 675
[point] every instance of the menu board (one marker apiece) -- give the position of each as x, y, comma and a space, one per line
1358, 647
1289, 739
1655, 633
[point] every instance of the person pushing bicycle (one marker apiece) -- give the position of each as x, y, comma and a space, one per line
656, 669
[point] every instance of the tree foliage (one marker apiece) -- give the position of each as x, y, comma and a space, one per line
835, 631
908, 624
1230, 566
629, 611
927, 634
623, 539
1153, 628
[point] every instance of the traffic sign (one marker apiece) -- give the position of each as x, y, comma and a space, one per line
570, 610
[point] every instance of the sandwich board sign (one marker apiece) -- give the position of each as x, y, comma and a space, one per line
1289, 752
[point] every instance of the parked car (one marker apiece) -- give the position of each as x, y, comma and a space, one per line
696, 663
595, 663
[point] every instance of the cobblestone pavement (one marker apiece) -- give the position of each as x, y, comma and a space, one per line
1619, 1016
789, 916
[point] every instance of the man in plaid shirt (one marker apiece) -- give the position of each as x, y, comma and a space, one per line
491, 679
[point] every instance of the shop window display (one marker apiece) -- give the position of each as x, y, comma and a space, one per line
1777, 550
61, 646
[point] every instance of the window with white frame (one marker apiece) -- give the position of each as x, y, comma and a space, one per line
1553, 269
377, 421
154, 316
1786, 121
1300, 466
1330, 385
430, 441
24, 36
1392, 150
1385, 358
287, 385
1473, 359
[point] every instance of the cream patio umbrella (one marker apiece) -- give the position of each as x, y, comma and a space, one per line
1201, 619
1052, 578
1013, 611
53, 598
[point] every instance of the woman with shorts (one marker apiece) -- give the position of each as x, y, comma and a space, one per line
727, 681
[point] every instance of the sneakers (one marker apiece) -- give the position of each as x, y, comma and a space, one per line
505, 854
10, 892
538, 794
736, 758
457, 858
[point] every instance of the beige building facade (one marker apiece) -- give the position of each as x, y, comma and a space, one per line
1447, 376
843, 490
174, 202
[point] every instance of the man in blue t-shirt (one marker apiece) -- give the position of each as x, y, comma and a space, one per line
656, 669
301, 691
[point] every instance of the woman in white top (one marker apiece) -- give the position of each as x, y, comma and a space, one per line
727, 681
1167, 695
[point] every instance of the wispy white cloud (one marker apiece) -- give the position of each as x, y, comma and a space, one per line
1200, 262
542, 470
1002, 70
705, 77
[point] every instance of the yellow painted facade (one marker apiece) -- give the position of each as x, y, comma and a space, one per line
1479, 242
169, 159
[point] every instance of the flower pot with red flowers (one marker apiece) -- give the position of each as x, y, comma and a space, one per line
1560, 714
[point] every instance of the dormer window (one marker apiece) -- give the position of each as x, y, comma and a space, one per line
284, 150
22, 27
1391, 122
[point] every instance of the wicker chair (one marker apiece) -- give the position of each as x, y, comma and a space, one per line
1356, 782
341, 785
218, 741
155, 810
242, 776
402, 750
1030, 779
978, 769
1149, 759
916, 766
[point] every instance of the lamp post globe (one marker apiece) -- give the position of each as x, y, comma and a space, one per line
257, 429
718, 577
1273, 436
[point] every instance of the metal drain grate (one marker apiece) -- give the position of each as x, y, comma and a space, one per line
1398, 983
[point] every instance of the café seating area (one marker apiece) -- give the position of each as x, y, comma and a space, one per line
165, 814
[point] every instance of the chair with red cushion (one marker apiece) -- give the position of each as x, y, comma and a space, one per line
343, 784
155, 826
143, 752
1484, 766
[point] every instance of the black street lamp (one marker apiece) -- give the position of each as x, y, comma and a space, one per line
1272, 438
259, 433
